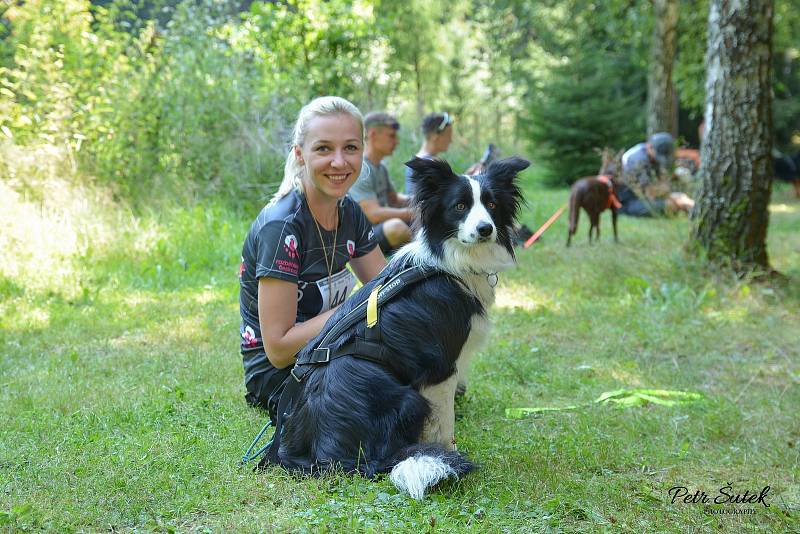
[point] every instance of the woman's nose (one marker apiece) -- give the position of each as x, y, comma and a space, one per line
338, 159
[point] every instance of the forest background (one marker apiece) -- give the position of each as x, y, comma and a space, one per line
193, 99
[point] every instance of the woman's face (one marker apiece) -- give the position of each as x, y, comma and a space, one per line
332, 154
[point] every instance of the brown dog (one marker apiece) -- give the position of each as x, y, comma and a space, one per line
594, 194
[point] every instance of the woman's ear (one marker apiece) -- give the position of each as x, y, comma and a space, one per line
298, 154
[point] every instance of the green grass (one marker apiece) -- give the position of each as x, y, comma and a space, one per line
121, 395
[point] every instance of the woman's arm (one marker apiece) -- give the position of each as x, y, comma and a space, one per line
369, 265
277, 315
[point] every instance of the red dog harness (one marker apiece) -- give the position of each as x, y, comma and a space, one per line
613, 201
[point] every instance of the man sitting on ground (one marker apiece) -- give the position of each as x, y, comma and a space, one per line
386, 209
643, 168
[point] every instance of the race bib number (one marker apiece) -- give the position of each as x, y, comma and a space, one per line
342, 283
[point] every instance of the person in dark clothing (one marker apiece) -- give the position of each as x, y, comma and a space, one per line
293, 272
787, 169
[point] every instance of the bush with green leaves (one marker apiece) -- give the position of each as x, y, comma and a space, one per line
191, 113
174, 111
52, 62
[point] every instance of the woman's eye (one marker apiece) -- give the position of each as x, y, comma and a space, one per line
491, 205
461, 206
352, 148
322, 149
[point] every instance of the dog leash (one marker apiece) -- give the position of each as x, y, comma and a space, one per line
532, 239
249, 454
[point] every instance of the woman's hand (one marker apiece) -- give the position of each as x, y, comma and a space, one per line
277, 311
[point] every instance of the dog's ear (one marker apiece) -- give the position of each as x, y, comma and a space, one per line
429, 174
501, 176
506, 170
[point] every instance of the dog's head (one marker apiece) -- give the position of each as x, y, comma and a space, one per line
611, 165
468, 220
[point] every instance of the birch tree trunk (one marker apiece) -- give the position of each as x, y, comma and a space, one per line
661, 108
731, 215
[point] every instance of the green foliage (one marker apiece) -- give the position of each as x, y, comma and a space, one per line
55, 64
689, 70
418, 51
310, 48
195, 98
590, 102
586, 85
190, 115
786, 73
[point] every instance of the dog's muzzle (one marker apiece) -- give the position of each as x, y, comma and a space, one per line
485, 231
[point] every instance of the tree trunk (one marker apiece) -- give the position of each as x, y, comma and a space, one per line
661, 108
731, 215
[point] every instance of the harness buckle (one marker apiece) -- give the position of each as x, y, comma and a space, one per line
297, 379
327, 355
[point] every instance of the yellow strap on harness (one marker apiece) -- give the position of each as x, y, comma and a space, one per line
372, 307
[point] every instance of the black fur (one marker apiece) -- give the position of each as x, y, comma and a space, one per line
366, 417
357, 413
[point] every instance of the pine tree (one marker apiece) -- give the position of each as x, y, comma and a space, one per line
593, 101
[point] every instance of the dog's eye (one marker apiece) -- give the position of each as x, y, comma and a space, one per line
461, 206
491, 205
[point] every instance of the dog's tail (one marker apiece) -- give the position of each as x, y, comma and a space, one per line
574, 211
422, 466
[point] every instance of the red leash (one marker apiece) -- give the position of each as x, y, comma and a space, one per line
531, 240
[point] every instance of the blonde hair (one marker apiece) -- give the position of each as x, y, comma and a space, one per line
323, 106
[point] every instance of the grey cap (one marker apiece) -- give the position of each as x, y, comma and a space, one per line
664, 147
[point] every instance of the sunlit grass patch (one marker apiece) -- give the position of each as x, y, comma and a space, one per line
515, 295
782, 208
46, 218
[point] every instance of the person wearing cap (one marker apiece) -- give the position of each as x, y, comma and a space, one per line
643, 165
386, 209
437, 128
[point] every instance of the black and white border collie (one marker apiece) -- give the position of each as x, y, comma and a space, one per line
398, 418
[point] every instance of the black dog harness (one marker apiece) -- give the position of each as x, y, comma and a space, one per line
368, 348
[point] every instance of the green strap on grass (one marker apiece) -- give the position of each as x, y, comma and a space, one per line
624, 398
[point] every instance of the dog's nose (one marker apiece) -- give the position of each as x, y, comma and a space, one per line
485, 229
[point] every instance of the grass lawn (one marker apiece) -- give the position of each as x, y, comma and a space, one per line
121, 395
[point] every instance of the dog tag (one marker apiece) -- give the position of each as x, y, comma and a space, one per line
492, 279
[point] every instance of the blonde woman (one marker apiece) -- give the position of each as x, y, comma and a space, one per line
293, 271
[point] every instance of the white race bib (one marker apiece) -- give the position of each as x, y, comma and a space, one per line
342, 283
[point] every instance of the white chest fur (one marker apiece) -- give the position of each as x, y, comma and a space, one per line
440, 426
478, 335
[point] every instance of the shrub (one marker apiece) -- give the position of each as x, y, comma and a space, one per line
590, 102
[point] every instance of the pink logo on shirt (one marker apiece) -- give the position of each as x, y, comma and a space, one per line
249, 337
351, 248
291, 246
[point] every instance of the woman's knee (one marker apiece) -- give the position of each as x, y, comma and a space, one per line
397, 232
